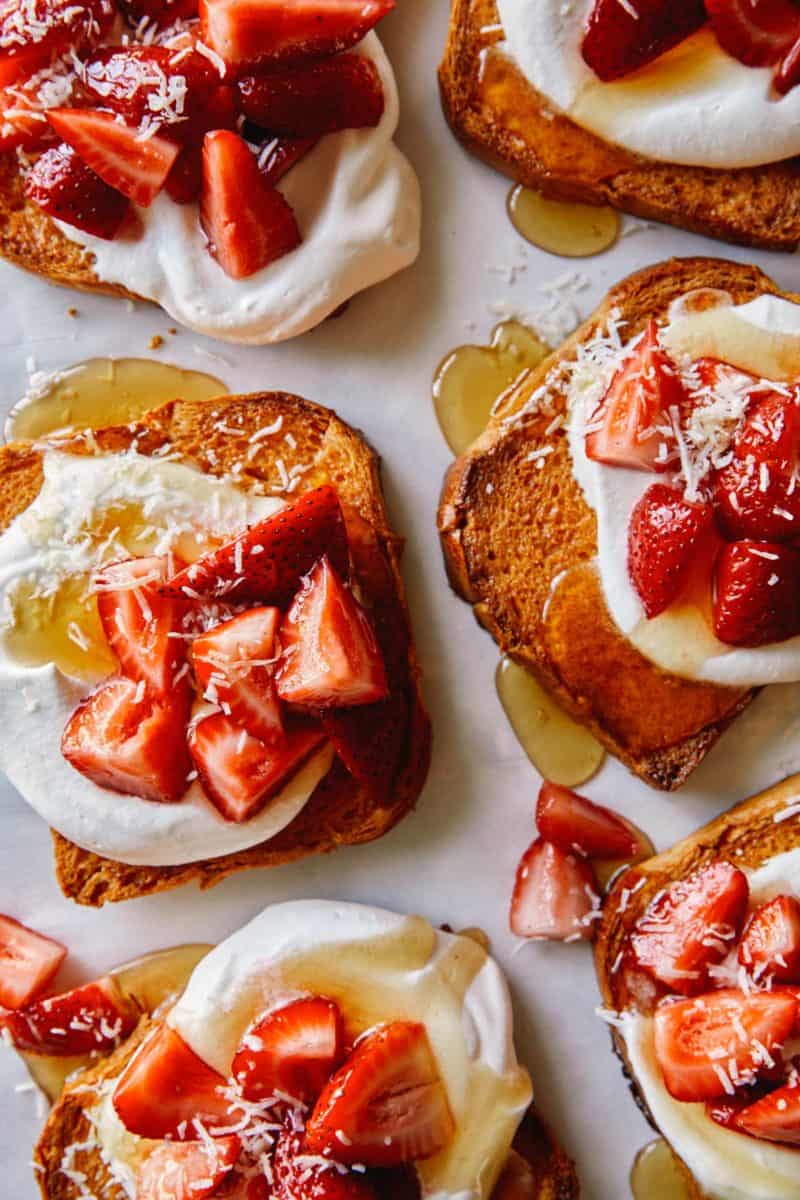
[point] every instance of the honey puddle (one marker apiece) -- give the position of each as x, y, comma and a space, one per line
656, 1176
569, 229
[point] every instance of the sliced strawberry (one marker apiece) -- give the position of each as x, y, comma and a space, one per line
623, 428
150, 84
233, 664
620, 38
243, 1187
187, 1170
555, 895
247, 32
756, 34
725, 1109
123, 740
757, 593
298, 1176
143, 627
65, 188
720, 378
370, 738
239, 772
666, 536
96, 1016
292, 1051
277, 156
28, 962
165, 1087
36, 31
690, 926
722, 1039
774, 1118
24, 104
161, 13
265, 564
574, 823
770, 947
123, 159
787, 73
185, 180
344, 92
387, 1105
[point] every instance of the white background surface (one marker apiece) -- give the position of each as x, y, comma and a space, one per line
454, 859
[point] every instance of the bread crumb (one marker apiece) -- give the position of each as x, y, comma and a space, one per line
156, 341
72, 312
172, 331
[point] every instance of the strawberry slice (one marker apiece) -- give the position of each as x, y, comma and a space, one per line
264, 565
757, 594
666, 536
247, 32
24, 104
277, 156
292, 1051
773, 1118
187, 1170
123, 740
239, 772
161, 13
756, 34
65, 188
165, 1087
369, 739
555, 895
33, 33
620, 38
572, 822
150, 84
344, 92
722, 1039
96, 1016
247, 222
297, 1176
185, 180
233, 665
28, 962
330, 656
787, 72
770, 948
623, 428
123, 159
690, 926
387, 1105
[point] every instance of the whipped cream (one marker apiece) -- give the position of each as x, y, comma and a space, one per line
51, 542
356, 200
694, 105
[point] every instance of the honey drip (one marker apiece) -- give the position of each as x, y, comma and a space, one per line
656, 1176
469, 380
571, 230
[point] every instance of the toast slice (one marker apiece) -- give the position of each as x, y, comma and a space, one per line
499, 116
511, 532
320, 448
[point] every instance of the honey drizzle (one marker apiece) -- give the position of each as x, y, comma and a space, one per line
561, 227
655, 1175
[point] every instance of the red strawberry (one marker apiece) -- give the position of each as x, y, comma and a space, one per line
277, 156
623, 428
239, 773
264, 565
723, 1038
292, 1051
150, 84
123, 740
757, 593
247, 32
96, 1016
690, 926
161, 13
757, 34
24, 104
770, 948
185, 180
725, 1109
186, 1170
787, 73
773, 1118
28, 962
386, 1105
666, 536
233, 665
573, 823
124, 160
248, 223
344, 92
297, 1175
620, 38
65, 188
370, 738
33, 33
555, 895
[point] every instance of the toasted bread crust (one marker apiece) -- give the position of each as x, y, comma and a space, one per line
511, 532
496, 113
340, 811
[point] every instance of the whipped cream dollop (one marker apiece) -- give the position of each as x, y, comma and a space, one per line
694, 105
357, 203
82, 516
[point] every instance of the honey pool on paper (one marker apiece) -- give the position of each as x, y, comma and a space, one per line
560, 227
656, 1176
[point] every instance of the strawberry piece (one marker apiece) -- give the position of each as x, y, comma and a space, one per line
756, 594
572, 822
277, 157
232, 663
185, 180
723, 1038
134, 81
755, 34
65, 188
24, 104
690, 926
725, 1109
166, 1086
296, 1176
369, 739
264, 565
239, 772
620, 38
387, 1105
116, 152
96, 1016
773, 1118
240, 1187
770, 948
293, 1051
130, 743
666, 536
33, 33
322, 97
28, 962
161, 13
330, 656
623, 429
143, 627
555, 895
247, 32
787, 73
187, 1170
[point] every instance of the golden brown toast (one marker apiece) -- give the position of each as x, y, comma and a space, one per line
498, 115
512, 532
340, 811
